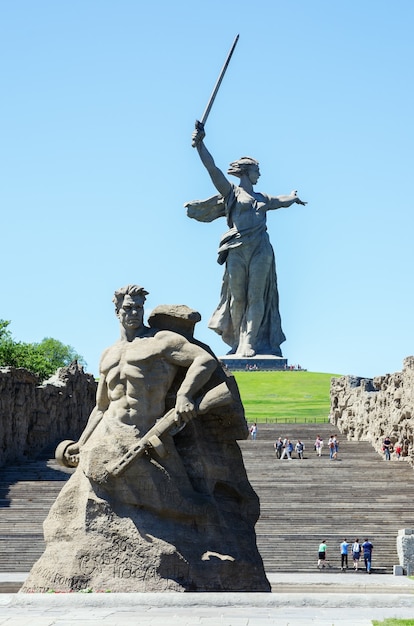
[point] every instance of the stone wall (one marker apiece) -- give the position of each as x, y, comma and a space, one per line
405, 549
369, 409
34, 417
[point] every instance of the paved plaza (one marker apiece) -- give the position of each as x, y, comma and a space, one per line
297, 599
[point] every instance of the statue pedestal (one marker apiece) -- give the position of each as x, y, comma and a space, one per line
258, 362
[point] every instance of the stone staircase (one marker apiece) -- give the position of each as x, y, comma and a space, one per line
27, 492
306, 501
302, 502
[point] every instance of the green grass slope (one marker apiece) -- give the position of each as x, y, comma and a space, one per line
287, 396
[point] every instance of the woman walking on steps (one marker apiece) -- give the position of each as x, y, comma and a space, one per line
356, 553
322, 554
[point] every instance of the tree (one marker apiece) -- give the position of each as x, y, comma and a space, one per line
43, 359
4, 332
57, 354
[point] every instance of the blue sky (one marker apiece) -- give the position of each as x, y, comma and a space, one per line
98, 104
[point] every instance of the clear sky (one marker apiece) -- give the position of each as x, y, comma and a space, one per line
99, 99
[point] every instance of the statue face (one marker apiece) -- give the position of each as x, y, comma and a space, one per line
131, 313
253, 174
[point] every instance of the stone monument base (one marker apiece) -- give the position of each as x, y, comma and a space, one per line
258, 362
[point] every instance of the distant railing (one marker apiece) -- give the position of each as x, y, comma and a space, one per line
296, 420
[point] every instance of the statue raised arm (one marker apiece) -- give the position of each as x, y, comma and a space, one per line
247, 316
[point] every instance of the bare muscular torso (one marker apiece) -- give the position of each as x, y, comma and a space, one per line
137, 376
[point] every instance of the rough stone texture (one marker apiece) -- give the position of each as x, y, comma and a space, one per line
180, 522
33, 416
405, 549
369, 409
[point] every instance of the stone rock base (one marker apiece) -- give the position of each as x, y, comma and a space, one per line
92, 544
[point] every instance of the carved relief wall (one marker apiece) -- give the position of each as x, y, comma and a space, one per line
34, 417
370, 409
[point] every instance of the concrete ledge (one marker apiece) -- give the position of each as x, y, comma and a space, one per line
357, 581
337, 582
127, 601
10, 587
11, 582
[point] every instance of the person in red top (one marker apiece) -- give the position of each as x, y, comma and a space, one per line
398, 450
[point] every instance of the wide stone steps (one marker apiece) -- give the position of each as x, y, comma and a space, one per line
27, 492
302, 502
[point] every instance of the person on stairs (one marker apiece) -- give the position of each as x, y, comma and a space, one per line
322, 554
287, 450
367, 548
344, 555
356, 553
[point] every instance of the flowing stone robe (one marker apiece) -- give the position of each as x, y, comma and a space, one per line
250, 245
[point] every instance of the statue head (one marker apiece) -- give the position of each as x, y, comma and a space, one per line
131, 291
242, 166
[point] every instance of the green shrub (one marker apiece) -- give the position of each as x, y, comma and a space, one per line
43, 359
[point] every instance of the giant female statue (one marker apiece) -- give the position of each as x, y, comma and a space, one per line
247, 316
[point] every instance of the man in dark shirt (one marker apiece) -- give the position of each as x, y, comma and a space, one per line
367, 548
387, 448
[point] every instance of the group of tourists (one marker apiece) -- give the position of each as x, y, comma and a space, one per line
333, 446
284, 448
356, 548
399, 448
252, 368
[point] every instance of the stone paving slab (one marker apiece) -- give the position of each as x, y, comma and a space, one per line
188, 601
209, 609
363, 597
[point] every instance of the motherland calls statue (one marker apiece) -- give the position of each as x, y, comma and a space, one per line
159, 499
247, 316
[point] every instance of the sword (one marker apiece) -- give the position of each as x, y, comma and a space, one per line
200, 123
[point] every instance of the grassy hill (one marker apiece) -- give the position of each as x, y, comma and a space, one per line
287, 396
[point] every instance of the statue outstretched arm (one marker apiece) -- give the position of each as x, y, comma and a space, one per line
220, 182
278, 202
